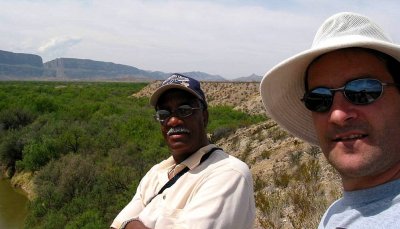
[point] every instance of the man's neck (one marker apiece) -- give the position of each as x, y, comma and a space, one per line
358, 183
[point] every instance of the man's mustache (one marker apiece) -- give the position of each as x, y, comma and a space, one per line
178, 130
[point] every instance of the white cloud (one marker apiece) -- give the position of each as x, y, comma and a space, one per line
57, 47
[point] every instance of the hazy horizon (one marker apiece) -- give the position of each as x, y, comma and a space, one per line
228, 38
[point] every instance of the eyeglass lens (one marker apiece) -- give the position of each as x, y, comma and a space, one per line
359, 92
181, 112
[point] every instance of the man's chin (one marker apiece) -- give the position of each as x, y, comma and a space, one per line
178, 146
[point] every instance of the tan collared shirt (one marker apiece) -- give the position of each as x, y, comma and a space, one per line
217, 193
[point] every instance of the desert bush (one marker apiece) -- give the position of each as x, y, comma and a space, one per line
295, 157
309, 200
225, 116
276, 133
220, 132
52, 220
71, 176
73, 137
270, 205
308, 204
15, 118
11, 146
224, 120
38, 153
314, 151
90, 219
282, 179
266, 154
259, 183
243, 156
309, 171
296, 188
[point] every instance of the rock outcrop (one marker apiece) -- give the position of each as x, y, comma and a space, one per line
73, 68
20, 65
15, 66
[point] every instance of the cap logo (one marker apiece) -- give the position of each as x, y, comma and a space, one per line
177, 79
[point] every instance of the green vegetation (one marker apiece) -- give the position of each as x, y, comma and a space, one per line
224, 120
88, 145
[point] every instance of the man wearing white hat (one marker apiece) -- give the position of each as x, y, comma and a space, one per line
343, 94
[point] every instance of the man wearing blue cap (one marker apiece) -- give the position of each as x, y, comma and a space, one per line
199, 186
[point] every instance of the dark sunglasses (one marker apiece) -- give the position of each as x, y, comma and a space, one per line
358, 91
181, 112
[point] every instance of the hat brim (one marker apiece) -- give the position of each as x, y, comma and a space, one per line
161, 90
283, 86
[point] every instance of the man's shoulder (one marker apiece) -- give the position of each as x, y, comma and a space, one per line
378, 204
162, 165
225, 161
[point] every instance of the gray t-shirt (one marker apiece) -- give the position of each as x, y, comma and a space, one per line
377, 207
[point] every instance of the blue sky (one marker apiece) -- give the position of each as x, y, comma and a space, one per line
231, 38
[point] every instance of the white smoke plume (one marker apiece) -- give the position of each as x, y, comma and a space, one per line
58, 46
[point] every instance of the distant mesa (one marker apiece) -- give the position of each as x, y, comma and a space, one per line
23, 66
85, 69
20, 65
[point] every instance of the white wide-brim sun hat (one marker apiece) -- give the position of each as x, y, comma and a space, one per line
283, 86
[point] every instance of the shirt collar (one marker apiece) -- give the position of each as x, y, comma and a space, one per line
191, 162
194, 160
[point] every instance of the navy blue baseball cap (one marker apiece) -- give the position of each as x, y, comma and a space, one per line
179, 81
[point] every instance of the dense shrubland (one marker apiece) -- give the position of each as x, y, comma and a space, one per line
87, 144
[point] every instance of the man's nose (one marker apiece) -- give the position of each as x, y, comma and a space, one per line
174, 121
341, 110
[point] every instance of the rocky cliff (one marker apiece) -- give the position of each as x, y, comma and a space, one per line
28, 66
89, 69
20, 65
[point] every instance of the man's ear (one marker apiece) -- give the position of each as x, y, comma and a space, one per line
205, 117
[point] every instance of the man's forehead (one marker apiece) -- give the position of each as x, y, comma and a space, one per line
342, 65
349, 51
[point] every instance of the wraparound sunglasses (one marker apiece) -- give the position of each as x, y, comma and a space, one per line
359, 91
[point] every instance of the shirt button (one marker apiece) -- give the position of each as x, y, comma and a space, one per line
163, 197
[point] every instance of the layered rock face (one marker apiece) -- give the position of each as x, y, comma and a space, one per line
87, 69
20, 65
23, 66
